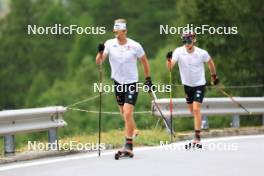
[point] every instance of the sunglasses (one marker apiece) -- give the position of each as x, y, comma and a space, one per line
187, 40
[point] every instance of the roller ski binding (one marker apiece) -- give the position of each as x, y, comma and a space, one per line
193, 145
126, 152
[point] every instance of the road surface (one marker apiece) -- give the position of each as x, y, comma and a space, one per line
241, 155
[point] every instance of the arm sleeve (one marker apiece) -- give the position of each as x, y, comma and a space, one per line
139, 51
205, 56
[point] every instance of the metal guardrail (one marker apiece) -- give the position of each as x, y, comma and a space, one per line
14, 122
213, 107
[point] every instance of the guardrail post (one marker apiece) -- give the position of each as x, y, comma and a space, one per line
9, 143
205, 123
263, 119
236, 121
53, 139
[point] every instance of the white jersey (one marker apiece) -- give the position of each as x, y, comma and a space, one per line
123, 60
191, 65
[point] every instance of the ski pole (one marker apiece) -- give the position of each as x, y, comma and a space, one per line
168, 126
171, 105
232, 99
100, 105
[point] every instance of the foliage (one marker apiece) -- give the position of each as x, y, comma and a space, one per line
45, 70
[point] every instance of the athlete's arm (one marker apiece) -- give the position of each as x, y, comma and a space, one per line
146, 68
145, 64
100, 57
211, 66
170, 62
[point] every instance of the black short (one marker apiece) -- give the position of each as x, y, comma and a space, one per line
125, 93
194, 94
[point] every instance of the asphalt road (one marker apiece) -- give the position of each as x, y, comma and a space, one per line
236, 156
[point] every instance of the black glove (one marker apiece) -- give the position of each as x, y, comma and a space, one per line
149, 84
101, 47
214, 79
169, 55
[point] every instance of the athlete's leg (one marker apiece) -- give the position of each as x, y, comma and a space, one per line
189, 97
136, 131
190, 106
121, 107
129, 120
197, 115
197, 101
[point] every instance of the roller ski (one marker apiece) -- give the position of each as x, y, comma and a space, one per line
126, 152
194, 145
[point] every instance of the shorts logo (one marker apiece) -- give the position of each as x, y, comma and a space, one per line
129, 96
198, 95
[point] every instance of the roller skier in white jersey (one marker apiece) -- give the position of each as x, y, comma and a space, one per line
191, 59
123, 54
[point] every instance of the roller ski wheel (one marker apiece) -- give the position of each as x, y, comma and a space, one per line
193, 145
124, 154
